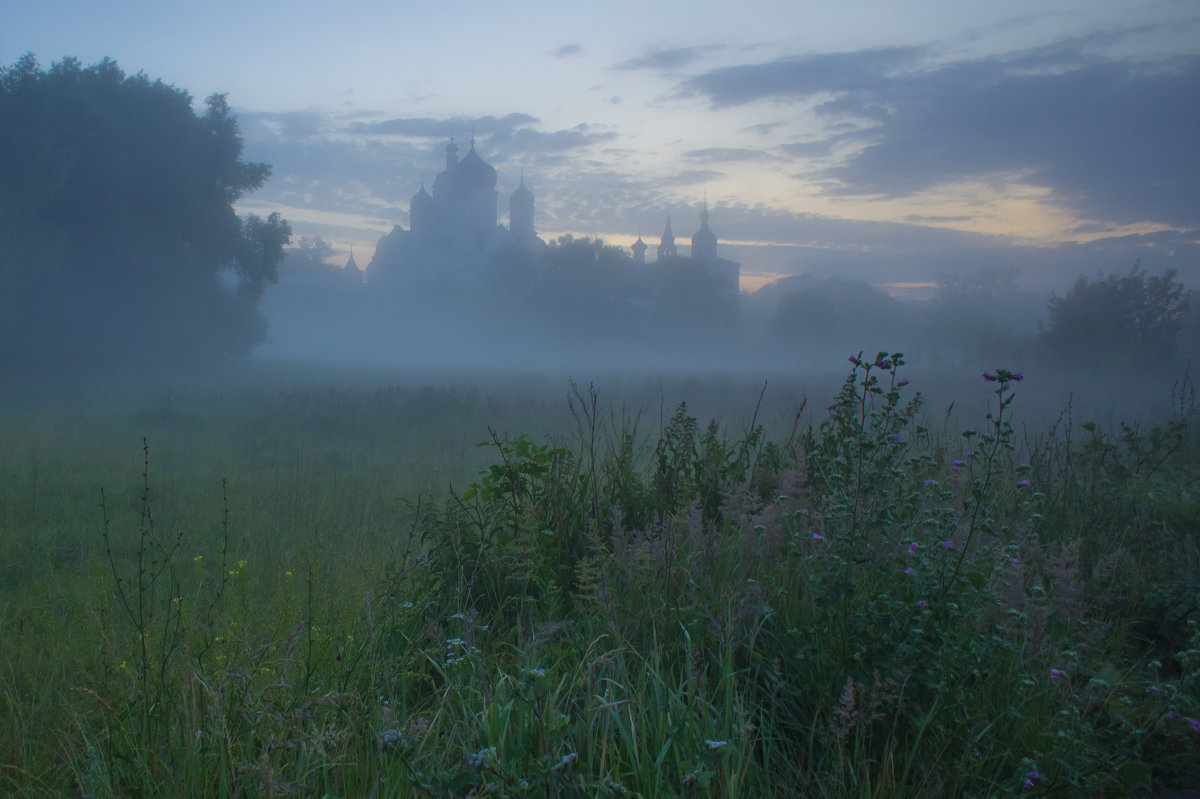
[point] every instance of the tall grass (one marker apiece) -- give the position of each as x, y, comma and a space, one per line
278, 599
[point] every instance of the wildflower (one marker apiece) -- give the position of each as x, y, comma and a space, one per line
1056, 674
538, 672
197, 559
1023, 484
817, 537
947, 544
912, 548
854, 360
1028, 783
903, 382
1017, 376
715, 745
883, 364
1013, 561
957, 464
477, 759
1153, 689
894, 437
988, 376
929, 481
909, 570
1033, 775
921, 603
565, 761
1194, 724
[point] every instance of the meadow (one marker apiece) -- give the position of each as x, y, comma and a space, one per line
874, 582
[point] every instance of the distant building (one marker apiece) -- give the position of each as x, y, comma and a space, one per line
454, 229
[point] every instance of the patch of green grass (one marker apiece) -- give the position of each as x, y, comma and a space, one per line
336, 592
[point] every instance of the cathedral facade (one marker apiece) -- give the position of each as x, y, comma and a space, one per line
453, 229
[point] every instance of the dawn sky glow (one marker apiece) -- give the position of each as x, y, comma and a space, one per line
888, 142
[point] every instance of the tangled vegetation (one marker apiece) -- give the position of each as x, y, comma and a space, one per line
869, 605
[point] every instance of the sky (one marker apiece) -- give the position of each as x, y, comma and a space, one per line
896, 143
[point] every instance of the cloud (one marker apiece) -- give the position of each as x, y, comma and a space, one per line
1112, 138
802, 76
664, 59
716, 155
430, 128
568, 50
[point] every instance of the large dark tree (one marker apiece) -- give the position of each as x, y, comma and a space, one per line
1119, 320
119, 242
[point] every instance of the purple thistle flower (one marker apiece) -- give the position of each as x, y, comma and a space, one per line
988, 376
1023, 484
912, 548
947, 544
909, 570
903, 382
854, 360
817, 537
1018, 376
1056, 674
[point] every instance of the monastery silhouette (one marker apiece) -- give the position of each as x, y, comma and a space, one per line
453, 229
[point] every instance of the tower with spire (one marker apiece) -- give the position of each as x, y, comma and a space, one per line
704, 243
666, 247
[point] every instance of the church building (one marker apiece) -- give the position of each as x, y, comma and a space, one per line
453, 230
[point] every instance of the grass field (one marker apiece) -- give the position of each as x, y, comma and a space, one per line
307, 582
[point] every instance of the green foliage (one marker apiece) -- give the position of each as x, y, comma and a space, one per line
865, 610
1127, 320
117, 222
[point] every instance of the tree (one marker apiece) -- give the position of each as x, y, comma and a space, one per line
1117, 320
119, 242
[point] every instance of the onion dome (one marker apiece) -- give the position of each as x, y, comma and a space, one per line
421, 200
473, 172
522, 196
